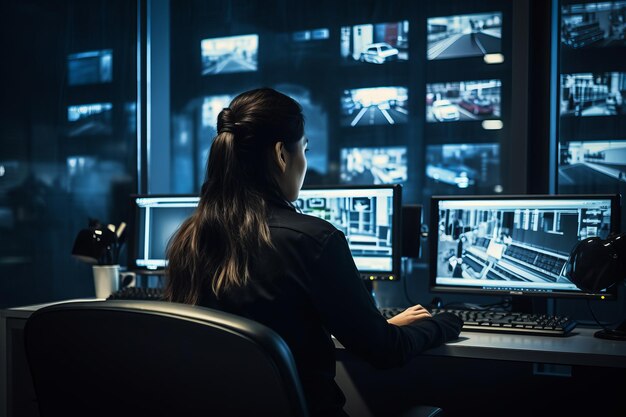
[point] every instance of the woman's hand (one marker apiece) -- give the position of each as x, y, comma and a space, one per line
408, 316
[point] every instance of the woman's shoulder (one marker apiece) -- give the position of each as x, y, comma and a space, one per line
291, 221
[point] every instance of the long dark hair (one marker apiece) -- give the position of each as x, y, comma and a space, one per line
215, 245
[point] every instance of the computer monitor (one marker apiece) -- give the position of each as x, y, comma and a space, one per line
514, 245
369, 216
153, 221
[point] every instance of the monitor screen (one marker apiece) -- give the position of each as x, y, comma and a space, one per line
378, 43
91, 67
229, 54
599, 24
598, 94
514, 245
374, 106
90, 119
364, 166
592, 164
470, 167
463, 101
154, 220
464, 36
369, 217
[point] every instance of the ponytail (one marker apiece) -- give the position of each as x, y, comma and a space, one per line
214, 248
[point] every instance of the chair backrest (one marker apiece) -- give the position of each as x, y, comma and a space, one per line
110, 358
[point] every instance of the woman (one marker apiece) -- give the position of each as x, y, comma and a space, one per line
246, 250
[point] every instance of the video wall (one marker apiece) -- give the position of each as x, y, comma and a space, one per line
411, 94
592, 98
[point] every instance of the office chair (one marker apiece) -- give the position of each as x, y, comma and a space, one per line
150, 358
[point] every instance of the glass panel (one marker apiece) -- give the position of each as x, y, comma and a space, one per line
68, 139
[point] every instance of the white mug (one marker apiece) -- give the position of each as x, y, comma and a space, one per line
107, 279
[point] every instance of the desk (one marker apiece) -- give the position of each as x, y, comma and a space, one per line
579, 348
472, 349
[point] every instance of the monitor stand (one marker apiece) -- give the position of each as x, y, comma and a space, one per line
533, 305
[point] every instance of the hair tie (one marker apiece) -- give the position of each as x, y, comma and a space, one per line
224, 123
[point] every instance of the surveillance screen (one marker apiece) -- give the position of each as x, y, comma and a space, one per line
464, 35
364, 166
157, 219
463, 101
594, 164
374, 106
91, 67
378, 43
514, 243
229, 54
90, 119
593, 24
457, 167
365, 216
587, 94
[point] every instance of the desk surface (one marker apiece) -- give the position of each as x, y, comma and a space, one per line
579, 348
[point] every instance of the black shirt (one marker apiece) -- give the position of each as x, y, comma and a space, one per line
306, 288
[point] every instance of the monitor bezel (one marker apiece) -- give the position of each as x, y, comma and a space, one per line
609, 294
396, 227
132, 231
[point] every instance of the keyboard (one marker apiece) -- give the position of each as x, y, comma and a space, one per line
137, 293
503, 321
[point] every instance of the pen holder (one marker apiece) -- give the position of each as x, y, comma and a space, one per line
107, 279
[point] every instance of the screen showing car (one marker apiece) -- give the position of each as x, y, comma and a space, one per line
464, 36
365, 166
456, 168
374, 106
598, 24
375, 43
463, 101
587, 94
229, 54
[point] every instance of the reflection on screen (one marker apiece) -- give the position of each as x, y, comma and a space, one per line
374, 106
365, 216
364, 166
229, 54
90, 119
378, 43
464, 35
596, 164
514, 243
463, 101
598, 24
450, 168
91, 67
587, 94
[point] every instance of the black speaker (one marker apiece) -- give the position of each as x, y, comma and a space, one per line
411, 228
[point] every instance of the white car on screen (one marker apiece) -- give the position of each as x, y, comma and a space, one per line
379, 53
445, 111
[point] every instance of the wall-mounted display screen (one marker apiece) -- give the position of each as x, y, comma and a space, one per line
374, 106
377, 43
229, 54
598, 24
464, 36
470, 167
592, 163
587, 94
90, 119
384, 165
463, 101
92, 67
